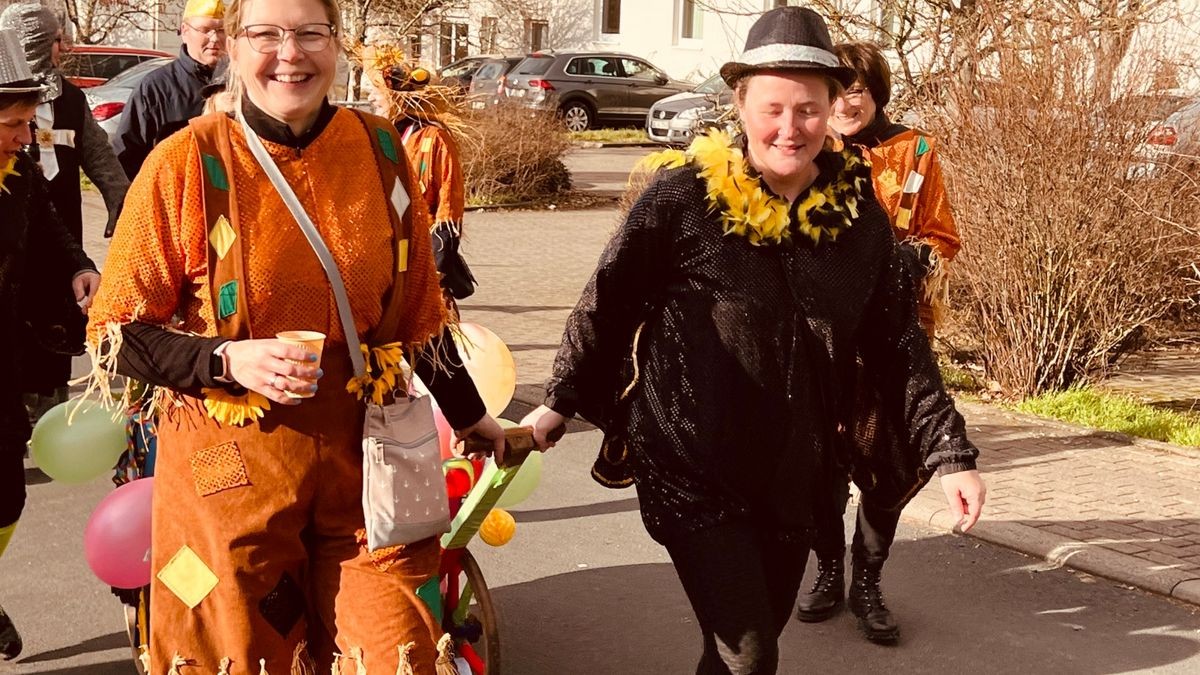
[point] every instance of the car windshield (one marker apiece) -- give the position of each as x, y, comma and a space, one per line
713, 85
535, 65
461, 68
130, 77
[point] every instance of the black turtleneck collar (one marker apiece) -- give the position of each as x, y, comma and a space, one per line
193, 67
879, 130
270, 129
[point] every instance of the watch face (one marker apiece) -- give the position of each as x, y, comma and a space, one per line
217, 366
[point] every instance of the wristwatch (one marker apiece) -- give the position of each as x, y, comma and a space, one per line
218, 364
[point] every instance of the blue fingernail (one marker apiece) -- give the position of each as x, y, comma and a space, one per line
320, 373
312, 388
312, 356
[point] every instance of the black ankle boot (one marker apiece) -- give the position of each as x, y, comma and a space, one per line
10, 640
827, 594
866, 602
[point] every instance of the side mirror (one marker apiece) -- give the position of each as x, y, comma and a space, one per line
661, 79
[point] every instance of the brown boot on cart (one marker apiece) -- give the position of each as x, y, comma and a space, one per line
827, 594
875, 620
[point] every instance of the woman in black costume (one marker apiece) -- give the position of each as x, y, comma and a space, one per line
716, 345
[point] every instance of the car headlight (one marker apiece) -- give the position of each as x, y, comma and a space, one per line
690, 114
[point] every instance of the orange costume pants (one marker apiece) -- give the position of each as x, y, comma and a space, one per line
257, 550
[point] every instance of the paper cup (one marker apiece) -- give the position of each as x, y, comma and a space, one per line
309, 340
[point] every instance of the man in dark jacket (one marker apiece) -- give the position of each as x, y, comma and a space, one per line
39, 262
167, 98
67, 139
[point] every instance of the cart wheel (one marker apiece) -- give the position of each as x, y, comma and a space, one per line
481, 615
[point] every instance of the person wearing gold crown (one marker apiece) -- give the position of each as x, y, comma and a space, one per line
167, 98
260, 442
35, 249
716, 346
422, 112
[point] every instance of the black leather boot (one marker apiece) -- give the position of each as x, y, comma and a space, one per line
866, 602
827, 594
10, 639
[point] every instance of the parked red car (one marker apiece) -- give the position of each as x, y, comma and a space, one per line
90, 65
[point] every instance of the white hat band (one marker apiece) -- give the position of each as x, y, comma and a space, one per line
777, 53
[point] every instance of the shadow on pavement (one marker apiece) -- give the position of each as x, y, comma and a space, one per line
582, 511
34, 476
96, 644
963, 607
106, 668
516, 309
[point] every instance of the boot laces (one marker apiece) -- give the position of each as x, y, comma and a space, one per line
829, 577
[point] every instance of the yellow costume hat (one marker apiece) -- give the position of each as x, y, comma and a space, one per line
207, 9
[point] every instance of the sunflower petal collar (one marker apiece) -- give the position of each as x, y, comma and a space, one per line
750, 210
233, 409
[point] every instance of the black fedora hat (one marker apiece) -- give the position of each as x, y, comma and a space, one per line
788, 38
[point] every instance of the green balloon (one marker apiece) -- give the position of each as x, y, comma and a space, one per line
81, 450
529, 474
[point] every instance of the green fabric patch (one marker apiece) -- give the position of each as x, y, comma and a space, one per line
430, 593
216, 173
922, 146
385, 144
227, 300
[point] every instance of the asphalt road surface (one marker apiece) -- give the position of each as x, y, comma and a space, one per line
582, 589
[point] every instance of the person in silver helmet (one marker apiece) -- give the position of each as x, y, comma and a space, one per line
66, 138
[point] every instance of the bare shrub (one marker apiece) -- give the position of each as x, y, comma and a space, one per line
1074, 244
514, 154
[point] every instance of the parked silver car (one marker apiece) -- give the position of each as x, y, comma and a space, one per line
674, 119
108, 100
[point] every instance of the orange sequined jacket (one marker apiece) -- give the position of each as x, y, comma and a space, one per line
157, 268
435, 158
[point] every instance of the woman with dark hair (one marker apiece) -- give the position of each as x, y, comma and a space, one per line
907, 181
716, 345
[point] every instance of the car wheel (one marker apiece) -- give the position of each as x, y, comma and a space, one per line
576, 116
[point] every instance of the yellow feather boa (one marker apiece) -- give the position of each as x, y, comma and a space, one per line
7, 170
748, 209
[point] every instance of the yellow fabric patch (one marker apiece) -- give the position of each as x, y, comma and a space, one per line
402, 263
188, 577
222, 237
427, 145
218, 468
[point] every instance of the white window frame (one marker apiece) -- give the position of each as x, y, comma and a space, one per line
694, 41
489, 34
602, 7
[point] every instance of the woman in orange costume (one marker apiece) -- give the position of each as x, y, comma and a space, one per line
268, 567
424, 114
907, 179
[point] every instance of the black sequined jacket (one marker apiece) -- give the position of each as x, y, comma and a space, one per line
38, 259
746, 364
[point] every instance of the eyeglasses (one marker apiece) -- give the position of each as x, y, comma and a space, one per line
265, 38
853, 95
211, 33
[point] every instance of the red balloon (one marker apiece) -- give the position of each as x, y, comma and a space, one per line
116, 541
445, 433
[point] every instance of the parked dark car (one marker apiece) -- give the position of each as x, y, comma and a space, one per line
459, 73
674, 119
588, 88
487, 85
92, 65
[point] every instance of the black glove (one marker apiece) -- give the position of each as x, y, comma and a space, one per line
917, 259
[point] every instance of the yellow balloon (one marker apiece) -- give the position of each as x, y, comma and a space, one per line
490, 364
498, 528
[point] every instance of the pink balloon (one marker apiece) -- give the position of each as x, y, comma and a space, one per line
445, 433
116, 541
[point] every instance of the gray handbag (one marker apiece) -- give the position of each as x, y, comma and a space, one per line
404, 492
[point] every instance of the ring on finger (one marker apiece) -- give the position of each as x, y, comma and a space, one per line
275, 382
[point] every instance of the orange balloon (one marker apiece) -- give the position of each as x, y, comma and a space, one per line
490, 364
498, 528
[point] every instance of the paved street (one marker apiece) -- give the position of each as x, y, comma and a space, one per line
583, 590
